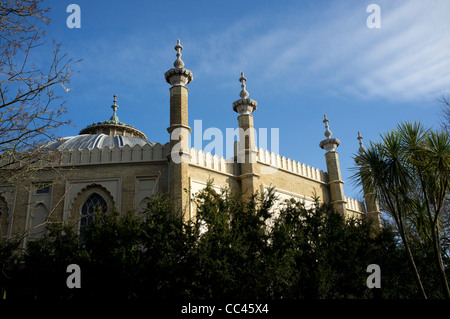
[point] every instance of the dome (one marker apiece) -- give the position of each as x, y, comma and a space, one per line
91, 141
99, 135
113, 126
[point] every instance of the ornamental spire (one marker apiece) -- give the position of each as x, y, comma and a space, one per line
328, 144
178, 62
328, 133
361, 149
178, 76
114, 117
244, 94
244, 105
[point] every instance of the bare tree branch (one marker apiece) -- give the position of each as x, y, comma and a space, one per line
30, 110
445, 121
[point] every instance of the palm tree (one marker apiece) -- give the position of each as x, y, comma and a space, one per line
428, 155
382, 170
408, 170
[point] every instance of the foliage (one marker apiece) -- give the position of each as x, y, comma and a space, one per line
235, 248
230, 258
409, 171
40, 269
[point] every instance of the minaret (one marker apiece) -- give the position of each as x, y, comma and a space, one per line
334, 171
179, 131
372, 208
246, 150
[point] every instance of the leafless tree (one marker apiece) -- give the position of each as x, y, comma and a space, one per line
30, 109
445, 120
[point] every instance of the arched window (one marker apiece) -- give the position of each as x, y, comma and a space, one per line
93, 204
38, 218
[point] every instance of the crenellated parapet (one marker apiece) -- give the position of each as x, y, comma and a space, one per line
292, 166
221, 165
212, 162
354, 205
107, 155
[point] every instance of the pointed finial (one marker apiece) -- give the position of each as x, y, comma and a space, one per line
178, 76
114, 117
244, 94
178, 62
361, 149
328, 144
244, 105
327, 130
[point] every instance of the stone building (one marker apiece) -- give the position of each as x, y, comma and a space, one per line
112, 164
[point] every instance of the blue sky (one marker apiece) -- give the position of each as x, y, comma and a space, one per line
301, 58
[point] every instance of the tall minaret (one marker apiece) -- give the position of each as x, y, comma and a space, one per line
179, 131
246, 150
334, 171
373, 210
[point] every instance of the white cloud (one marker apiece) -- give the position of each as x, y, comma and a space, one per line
407, 59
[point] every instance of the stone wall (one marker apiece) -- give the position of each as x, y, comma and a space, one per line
129, 175
286, 175
125, 176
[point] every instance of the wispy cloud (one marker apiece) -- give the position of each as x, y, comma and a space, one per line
407, 59
328, 48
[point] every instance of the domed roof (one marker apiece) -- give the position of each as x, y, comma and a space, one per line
108, 133
91, 141
113, 126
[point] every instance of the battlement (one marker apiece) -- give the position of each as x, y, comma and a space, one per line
292, 166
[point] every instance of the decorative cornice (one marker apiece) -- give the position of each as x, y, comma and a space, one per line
178, 77
98, 128
175, 126
244, 106
242, 176
330, 144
